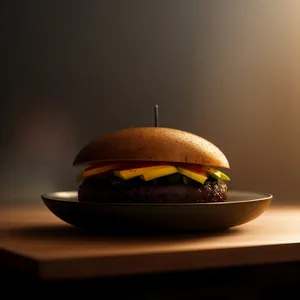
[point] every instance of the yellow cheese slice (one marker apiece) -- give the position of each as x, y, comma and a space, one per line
131, 173
195, 176
160, 172
95, 171
216, 173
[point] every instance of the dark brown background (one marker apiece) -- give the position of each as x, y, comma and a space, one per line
226, 70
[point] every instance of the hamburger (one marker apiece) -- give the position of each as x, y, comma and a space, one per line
151, 165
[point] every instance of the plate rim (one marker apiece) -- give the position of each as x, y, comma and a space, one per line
264, 197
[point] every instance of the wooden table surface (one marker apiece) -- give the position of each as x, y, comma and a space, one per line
34, 241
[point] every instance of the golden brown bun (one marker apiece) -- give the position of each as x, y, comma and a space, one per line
152, 144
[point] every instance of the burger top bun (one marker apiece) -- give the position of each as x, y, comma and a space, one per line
152, 144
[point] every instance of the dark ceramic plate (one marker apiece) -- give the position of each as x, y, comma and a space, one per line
241, 207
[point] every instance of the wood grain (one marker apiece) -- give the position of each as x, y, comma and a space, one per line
34, 241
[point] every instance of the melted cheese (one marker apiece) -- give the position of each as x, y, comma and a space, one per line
200, 177
216, 173
96, 171
160, 172
131, 173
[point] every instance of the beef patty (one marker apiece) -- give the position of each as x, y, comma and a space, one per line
168, 189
